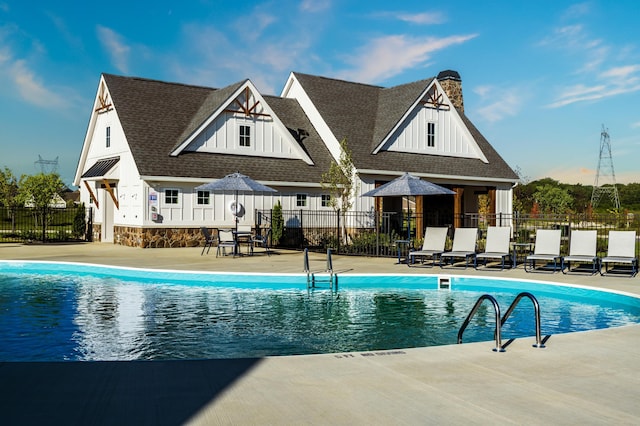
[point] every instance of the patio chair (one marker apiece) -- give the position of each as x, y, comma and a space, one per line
546, 249
226, 239
464, 246
621, 250
432, 247
261, 241
497, 246
208, 239
582, 250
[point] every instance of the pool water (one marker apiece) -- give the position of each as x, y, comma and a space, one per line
111, 314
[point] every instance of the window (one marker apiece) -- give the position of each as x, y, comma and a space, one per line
202, 198
171, 196
245, 135
108, 137
431, 134
326, 200
301, 200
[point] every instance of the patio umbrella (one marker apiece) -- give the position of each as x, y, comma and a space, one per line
408, 185
235, 182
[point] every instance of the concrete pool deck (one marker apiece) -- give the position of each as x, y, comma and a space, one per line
579, 378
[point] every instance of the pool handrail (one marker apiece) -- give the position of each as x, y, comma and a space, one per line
536, 308
496, 308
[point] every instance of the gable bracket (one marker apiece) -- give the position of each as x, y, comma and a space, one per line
93, 196
245, 108
113, 195
105, 106
435, 101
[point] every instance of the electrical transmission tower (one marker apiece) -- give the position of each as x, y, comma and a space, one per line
605, 176
47, 166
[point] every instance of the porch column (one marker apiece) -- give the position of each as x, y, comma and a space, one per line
419, 216
492, 206
457, 207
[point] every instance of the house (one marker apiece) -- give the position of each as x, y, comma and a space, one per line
150, 143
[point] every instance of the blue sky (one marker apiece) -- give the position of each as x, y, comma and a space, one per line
539, 78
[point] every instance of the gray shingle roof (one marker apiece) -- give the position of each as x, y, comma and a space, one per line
157, 115
365, 114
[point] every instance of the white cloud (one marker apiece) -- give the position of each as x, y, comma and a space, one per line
498, 103
385, 57
615, 81
315, 5
31, 89
115, 46
421, 18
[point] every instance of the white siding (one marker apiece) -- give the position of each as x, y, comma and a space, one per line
452, 139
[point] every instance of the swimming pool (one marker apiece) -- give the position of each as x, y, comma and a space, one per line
66, 311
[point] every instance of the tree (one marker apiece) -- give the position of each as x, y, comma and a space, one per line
339, 181
552, 199
39, 190
277, 224
10, 194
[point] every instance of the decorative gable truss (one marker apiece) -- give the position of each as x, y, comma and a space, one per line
103, 171
432, 126
242, 124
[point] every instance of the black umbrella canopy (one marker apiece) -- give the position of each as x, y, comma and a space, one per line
235, 182
407, 185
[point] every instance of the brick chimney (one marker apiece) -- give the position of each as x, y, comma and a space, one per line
452, 84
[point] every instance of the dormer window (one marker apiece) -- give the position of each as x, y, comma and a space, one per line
245, 135
431, 134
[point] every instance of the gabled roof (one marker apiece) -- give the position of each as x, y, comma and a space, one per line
156, 115
365, 114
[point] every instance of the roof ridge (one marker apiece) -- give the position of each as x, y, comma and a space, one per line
339, 80
152, 80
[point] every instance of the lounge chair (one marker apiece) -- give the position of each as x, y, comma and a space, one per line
582, 250
226, 239
261, 241
432, 247
208, 239
546, 249
497, 246
621, 250
464, 246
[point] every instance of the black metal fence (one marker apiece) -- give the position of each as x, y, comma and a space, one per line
24, 224
383, 234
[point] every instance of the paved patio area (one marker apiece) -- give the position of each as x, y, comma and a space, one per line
579, 378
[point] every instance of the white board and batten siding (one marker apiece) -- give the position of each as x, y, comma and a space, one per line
451, 137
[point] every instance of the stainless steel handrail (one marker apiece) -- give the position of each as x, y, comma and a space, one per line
536, 308
496, 308
311, 278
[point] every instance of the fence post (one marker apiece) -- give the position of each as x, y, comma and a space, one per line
338, 230
376, 222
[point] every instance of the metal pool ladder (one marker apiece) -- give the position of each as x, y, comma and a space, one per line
501, 320
312, 279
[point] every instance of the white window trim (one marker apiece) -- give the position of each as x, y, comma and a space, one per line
164, 197
251, 135
198, 199
435, 135
306, 200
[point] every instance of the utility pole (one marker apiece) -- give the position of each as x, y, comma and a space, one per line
605, 183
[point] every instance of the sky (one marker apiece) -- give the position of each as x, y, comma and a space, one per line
540, 78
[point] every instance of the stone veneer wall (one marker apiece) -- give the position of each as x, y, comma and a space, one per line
157, 237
